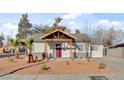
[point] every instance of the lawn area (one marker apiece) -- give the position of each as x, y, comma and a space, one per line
20, 66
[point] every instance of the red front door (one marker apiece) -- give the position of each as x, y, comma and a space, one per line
58, 50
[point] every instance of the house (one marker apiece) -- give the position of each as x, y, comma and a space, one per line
60, 44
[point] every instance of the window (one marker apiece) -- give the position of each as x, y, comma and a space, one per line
94, 47
80, 47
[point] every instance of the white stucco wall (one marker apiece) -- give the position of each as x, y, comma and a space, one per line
65, 52
39, 48
99, 52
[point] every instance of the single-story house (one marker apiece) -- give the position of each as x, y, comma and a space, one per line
61, 44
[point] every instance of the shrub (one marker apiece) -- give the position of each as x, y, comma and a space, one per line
102, 66
12, 60
44, 67
36, 59
67, 62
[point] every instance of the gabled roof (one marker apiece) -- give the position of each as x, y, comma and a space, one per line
57, 30
37, 37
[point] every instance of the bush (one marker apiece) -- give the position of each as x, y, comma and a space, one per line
12, 60
44, 67
67, 62
102, 66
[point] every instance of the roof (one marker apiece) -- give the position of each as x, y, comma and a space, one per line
118, 45
42, 37
78, 38
36, 37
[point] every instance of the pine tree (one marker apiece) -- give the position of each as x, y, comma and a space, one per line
1, 39
24, 27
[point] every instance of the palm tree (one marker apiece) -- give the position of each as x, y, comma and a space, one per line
26, 43
15, 44
57, 21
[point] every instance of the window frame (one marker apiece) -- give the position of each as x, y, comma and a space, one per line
82, 46
94, 49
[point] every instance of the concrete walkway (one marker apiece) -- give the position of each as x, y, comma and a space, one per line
44, 77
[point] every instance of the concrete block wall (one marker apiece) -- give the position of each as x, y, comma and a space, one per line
116, 52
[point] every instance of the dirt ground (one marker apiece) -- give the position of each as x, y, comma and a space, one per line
20, 66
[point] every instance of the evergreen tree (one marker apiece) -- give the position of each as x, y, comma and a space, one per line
24, 27
77, 32
1, 39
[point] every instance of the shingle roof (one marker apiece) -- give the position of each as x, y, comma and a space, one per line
118, 45
78, 38
36, 37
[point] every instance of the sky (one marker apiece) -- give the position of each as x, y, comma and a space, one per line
9, 21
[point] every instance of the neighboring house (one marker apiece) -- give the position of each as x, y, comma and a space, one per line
60, 44
116, 51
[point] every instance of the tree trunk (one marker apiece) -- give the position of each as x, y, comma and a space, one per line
87, 45
16, 53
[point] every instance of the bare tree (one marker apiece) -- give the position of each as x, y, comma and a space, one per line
109, 37
89, 29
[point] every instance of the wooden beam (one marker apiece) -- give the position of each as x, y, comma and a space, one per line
70, 49
55, 36
67, 44
46, 52
58, 34
61, 36
55, 40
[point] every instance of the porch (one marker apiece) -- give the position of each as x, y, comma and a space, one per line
59, 43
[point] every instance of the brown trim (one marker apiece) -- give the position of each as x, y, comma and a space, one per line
61, 36
59, 30
55, 37
58, 34
54, 40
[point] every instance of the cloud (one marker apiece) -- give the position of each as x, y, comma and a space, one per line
9, 26
115, 23
71, 23
71, 16
107, 23
9, 29
103, 22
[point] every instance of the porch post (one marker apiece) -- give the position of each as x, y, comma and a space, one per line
70, 47
46, 54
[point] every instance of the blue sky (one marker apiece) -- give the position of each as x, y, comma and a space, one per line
9, 21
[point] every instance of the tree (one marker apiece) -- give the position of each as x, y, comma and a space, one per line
15, 44
22, 42
58, 20
89, 29
47, 29
109, 37
77, 32
26, 43
24, 27
1, 39
106, 36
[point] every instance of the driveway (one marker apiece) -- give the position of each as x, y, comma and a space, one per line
115, 63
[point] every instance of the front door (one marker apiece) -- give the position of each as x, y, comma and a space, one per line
58, 51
